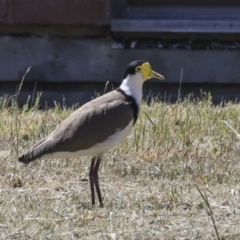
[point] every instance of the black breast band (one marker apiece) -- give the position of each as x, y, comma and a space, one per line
132, 103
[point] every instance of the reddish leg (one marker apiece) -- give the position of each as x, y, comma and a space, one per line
92, 180
93, 177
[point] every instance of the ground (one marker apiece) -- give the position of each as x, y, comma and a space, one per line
175, 177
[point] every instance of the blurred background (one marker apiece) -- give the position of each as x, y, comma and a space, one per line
78, 49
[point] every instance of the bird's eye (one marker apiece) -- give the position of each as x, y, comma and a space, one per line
138, 68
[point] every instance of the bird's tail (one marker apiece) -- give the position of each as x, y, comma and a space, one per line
33, 153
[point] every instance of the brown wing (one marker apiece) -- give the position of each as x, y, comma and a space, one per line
90, 124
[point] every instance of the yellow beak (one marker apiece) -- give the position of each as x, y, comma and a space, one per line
156, 75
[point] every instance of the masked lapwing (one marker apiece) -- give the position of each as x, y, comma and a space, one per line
98, 125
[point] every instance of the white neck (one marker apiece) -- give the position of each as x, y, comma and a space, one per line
132, 86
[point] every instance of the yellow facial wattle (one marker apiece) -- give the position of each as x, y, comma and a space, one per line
147, 72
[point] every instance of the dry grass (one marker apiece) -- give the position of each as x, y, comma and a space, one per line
149, 182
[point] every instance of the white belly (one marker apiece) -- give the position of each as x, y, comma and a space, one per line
97, 149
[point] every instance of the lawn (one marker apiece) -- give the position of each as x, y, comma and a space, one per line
175, 177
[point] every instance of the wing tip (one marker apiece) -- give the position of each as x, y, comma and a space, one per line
24, 159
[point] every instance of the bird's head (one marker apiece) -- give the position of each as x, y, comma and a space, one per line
143, 69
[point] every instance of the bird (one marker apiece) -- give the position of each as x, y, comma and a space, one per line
97, 126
